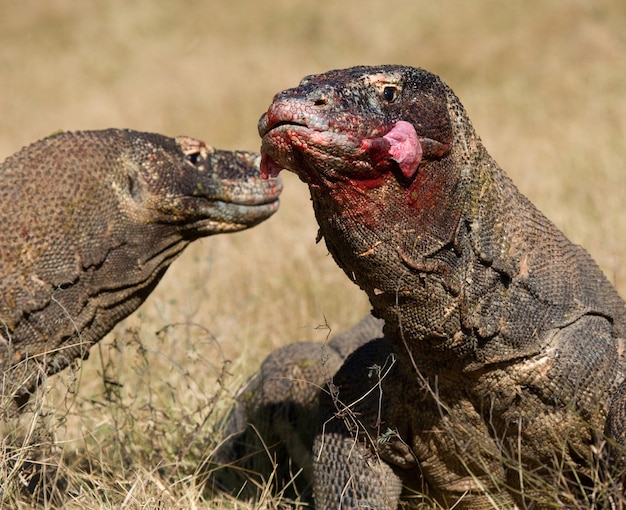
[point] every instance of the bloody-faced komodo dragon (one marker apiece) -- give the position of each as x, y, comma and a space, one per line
501, 370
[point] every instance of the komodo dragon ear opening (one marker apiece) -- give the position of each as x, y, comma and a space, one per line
134, 191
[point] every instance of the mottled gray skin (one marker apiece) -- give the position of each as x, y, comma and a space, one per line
504, 342
268, 435
91, 221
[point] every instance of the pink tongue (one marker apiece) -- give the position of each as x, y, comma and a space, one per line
405, 147
269, 167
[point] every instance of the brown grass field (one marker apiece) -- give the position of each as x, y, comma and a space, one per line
544, 82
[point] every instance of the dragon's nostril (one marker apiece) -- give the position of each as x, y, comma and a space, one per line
320, 102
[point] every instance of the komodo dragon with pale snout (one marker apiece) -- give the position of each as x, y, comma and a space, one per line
91, 222
502, 368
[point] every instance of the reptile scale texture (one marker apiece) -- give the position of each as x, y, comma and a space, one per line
501, 367
92, 220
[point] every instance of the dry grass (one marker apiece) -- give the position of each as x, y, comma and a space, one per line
543, 81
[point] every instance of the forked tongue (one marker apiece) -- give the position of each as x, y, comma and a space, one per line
269, 167
404, 147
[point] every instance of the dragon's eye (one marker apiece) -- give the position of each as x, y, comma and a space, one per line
390, 93
193, 157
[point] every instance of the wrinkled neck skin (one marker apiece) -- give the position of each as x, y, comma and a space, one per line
447, 258
465, 271
400, 242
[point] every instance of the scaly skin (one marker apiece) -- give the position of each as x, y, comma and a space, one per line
92, 220
268, 434
503, 340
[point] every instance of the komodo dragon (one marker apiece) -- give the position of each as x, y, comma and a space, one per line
91, 221
268, 434
504, 342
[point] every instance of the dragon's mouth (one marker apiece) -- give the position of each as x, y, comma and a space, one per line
399, 143
269, 167
280, 139
286, 115
288, 123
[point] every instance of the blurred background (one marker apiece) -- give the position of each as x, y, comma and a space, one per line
544, 82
